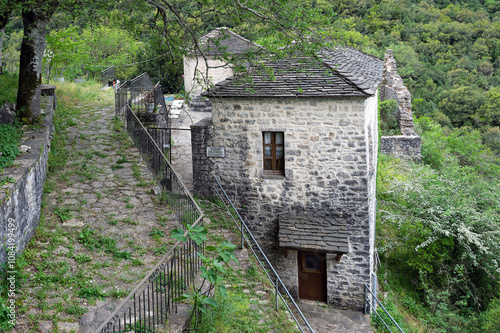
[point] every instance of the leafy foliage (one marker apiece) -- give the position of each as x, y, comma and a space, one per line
447, 53
211, 271
439, 227
8, 88
388, 121
9, 141
74, 54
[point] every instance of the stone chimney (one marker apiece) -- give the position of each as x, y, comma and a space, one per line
392, 87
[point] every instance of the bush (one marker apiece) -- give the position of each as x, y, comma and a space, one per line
491, 318
388, 121
443, 230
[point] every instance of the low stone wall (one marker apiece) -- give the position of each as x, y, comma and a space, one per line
402, 146
201, 132
20, 201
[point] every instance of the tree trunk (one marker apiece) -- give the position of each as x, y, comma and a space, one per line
30, 67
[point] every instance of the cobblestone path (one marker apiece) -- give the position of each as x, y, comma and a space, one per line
101, 230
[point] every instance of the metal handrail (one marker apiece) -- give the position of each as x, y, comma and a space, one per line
367, 302
149, 279
278, 282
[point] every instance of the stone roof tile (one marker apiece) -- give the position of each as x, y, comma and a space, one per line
344, 72
222, 40
361, 68
313, 233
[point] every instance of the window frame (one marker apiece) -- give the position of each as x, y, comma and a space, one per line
274, 159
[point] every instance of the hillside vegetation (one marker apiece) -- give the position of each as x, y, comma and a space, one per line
438, 229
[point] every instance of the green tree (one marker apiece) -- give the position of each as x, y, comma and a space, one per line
460, 104
489, 113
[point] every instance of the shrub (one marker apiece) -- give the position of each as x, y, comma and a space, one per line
491, 317
445, 232
388, 121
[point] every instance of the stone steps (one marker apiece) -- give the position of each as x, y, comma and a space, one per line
200, 104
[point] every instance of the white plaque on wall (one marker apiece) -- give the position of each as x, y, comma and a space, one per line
216, 152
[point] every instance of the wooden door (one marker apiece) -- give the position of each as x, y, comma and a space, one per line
312, 276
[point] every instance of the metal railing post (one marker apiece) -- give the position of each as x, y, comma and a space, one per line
276, 291
366, 301
368, 290
241, 232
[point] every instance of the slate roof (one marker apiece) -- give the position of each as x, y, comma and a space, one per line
222, 40
343, 73
362, 69
312, 233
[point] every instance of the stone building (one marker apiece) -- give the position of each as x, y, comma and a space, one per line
298, 151
205, 66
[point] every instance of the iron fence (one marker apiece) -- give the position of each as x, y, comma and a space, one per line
139, 85
281, 292
371, 305
131, 94
121, 99
173, 191
147, 307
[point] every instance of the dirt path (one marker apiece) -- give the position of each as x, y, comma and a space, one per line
101, 230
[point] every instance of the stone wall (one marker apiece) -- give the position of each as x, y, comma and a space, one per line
201, 133
392, 87
402, 146
20, 202
330, 164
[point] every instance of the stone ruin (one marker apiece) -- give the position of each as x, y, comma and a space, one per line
408, 144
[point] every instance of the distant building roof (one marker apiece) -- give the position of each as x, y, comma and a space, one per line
344, 72
314, 234
222, 40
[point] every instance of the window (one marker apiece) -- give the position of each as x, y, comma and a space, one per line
274, 153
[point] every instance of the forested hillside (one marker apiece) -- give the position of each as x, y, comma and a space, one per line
439, 222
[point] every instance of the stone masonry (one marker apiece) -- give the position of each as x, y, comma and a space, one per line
20, 202
408, 144
327, 173
201, 132
392, 87
327, 113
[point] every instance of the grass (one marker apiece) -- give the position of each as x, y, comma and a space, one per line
249, 304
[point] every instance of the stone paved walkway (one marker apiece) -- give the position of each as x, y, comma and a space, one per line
328, 320
102, 230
